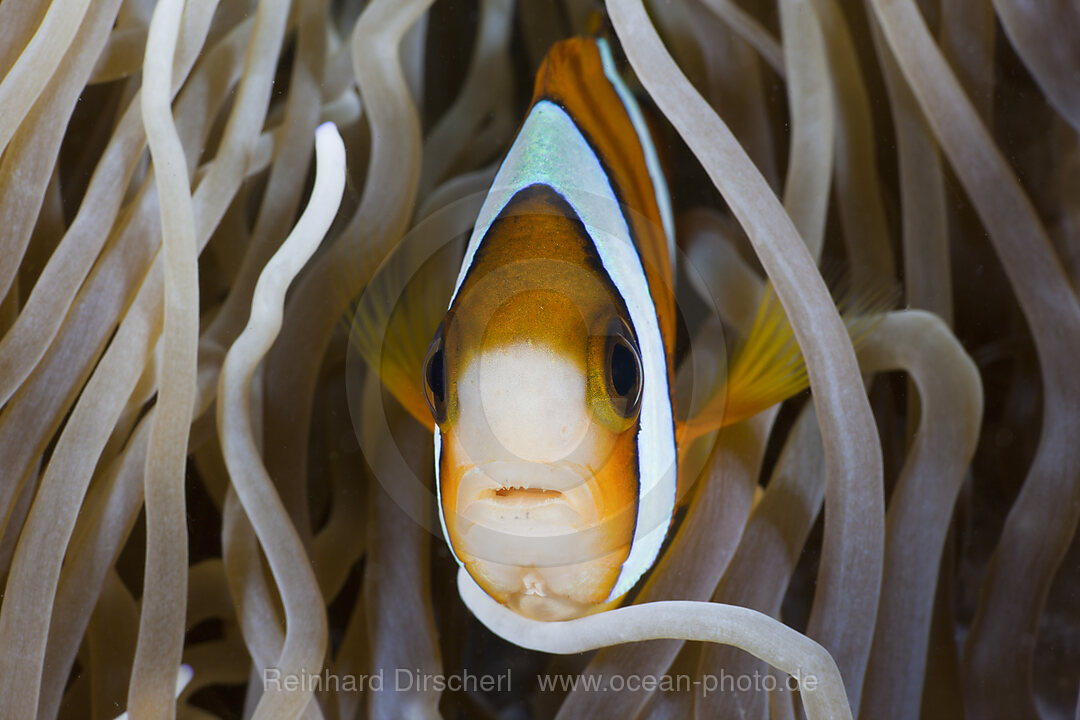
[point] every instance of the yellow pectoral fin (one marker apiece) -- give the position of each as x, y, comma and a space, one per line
768, 367
396, 317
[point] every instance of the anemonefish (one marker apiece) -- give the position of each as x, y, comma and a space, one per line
549, 381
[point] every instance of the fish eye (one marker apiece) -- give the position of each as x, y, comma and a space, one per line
623, 371
435, 378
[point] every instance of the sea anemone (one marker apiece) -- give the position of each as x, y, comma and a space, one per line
201, 478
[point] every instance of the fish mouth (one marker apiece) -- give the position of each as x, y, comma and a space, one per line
557, 497
517, 512
538, 537
522, 497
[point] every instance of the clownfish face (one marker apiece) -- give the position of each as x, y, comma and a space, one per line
536, 386
539, 381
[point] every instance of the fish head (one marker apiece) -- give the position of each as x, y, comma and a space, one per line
535, 382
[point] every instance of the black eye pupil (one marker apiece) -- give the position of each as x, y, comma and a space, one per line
624, 370
434, 376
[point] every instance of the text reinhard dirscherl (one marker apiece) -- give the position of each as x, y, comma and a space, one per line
415, 680
401, 680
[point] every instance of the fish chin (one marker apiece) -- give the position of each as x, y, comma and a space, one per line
535, 537
550, 593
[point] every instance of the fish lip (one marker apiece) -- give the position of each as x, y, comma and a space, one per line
522, 496
558, 476
487, 489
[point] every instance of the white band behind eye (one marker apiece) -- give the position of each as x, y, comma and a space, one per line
438, 495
